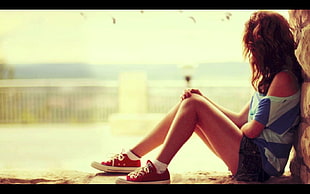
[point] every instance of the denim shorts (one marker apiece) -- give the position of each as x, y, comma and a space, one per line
250, 163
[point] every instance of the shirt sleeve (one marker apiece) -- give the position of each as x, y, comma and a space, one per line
263, 110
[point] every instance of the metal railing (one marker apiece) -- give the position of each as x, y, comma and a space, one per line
84, 100
32, 101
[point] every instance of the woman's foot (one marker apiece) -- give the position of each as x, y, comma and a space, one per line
145, 175
120, 163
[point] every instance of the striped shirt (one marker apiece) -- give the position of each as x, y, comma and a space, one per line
280, 115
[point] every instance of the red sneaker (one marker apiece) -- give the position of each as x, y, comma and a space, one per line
119, 163
145, 175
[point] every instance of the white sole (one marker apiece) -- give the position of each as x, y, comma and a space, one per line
122, 180
115, 169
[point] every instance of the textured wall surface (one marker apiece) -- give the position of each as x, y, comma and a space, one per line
300, 165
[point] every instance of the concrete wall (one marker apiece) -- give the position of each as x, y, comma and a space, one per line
300, 165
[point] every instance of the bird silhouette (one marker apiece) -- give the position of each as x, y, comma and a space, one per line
83, 15
228, 15
113, 20
192, 18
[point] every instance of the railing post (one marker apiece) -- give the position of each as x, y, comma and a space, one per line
133, 117
132, 92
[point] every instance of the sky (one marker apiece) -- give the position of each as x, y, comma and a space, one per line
101, 37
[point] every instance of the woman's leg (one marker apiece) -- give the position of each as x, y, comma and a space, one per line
221, 134
203, 137
157, 136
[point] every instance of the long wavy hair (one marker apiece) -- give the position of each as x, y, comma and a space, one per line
269, 45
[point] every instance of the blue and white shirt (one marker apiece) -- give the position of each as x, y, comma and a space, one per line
280, 115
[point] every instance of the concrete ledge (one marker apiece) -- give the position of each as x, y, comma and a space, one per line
17, 176
76, 177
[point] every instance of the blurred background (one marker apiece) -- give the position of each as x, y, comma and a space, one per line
73, 82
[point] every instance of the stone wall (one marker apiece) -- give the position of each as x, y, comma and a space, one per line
300, 164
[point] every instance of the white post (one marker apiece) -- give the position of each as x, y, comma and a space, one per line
133, 117
132, 92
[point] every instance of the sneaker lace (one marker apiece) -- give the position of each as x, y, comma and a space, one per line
139, 172
119, 157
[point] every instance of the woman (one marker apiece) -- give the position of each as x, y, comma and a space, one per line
254, 143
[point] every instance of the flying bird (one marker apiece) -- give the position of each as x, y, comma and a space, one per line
83, 15
228, 15
113, 20
192, 18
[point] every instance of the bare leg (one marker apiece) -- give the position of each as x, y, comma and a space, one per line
220, 132
204, 138
157, 136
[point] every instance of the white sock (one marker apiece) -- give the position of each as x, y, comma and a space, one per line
132, 156
160, 166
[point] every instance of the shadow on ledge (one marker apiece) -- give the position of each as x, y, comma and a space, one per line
76, 177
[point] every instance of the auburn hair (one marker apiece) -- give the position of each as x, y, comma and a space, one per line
268, 43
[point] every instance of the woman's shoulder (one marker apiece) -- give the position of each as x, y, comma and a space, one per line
284, 84
285, 77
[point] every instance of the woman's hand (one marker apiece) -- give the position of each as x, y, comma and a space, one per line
188, 93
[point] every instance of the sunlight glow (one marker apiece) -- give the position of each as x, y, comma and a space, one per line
122, 36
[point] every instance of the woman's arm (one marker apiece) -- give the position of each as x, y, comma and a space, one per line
283, 84
252, 129
238, 118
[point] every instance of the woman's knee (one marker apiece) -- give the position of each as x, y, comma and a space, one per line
193, 102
